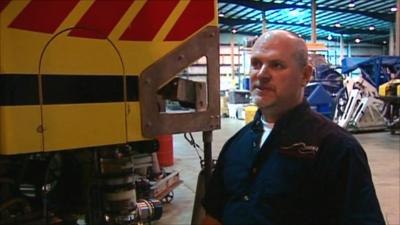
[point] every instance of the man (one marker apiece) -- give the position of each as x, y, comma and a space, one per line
290, 165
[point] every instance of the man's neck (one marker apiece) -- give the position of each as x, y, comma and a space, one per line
269, 117
273, 114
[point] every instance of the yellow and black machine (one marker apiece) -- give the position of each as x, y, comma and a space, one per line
84, 91
389, 93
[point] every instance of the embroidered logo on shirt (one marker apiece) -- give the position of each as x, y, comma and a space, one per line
300, 150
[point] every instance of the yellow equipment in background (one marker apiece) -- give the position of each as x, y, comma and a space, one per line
390, 88
389, 93
250, 111
84, 89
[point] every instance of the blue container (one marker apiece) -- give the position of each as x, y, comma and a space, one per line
246, 83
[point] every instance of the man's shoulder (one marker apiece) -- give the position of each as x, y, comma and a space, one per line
335, 139
323, 126
248, 129
326, 133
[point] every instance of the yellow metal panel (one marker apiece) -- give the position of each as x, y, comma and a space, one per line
20, 49
138, 56
18, 130
83, 125
77, 125
134, 122
18, 54
72, 55
66, 55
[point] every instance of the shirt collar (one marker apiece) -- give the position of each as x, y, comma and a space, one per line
290, 118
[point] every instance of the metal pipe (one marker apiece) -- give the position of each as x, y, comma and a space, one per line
233, 55
313, 22
341, 49
349, 49
207, 140
397, 29
391, 39
264, 22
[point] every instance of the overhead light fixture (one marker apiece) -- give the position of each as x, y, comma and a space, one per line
371, 28
234, 31
352, 4
393, 9
384, 42
221, 15
329, 37
357, 40
337, 25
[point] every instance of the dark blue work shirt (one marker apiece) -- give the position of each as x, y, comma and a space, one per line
308, 171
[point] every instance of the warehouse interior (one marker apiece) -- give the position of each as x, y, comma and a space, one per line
109, 110
344, 29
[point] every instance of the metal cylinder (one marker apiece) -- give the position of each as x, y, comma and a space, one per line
119, 193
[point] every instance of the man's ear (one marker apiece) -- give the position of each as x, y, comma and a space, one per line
307, 74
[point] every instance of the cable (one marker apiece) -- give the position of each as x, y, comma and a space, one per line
196, 147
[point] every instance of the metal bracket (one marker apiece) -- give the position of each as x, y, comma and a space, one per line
205, 43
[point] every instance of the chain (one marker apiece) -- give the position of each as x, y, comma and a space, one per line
189, 138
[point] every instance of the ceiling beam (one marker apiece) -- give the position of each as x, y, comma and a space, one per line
234, 22
376, 40
265, 6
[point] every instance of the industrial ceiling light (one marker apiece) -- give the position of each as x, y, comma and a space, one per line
371, 28
234, 31
221, 15
357, 40
393, 9
384, 42
337, 25
352, 4
329, 37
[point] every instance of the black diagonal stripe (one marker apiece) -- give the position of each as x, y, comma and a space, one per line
66, 89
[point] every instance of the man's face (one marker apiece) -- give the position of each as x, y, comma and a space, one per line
277, 79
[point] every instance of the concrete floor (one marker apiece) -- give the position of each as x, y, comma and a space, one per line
382, 148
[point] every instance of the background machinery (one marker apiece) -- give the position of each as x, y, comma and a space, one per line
322, 91
83, 92
359, 107
389, 93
